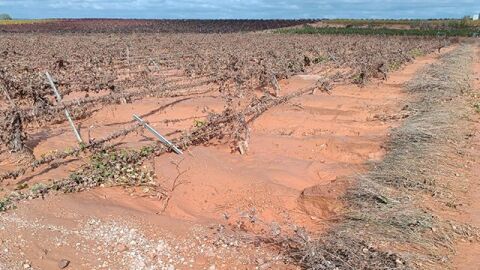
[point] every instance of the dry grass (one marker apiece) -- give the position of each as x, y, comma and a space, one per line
388, 225
8, 22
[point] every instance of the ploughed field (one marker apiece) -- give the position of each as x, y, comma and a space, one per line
263, 120
145, 26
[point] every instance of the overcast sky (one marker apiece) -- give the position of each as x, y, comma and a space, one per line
241, 9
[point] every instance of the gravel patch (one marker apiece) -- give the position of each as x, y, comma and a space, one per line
119, 244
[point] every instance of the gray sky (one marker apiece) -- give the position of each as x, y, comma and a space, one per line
240, 9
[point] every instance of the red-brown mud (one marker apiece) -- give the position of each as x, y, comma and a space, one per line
296, 151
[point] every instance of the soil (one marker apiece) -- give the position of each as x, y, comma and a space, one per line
467, 251
299, 155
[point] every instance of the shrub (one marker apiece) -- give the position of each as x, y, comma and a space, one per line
4, 16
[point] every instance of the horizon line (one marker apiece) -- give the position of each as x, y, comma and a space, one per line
238, 19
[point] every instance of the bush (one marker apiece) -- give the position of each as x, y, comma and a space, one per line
4, 16
308, 29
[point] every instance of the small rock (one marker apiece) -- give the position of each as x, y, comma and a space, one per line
26, 266
122, 248
201, 260
212, 267
265, 266
153, 256
62, 264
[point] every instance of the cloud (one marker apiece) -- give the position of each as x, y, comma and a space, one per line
214, 9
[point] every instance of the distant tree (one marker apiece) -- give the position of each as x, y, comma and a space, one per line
5, 16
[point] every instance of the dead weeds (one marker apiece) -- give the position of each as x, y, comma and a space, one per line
387, 225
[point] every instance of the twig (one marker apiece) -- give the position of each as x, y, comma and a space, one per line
176, 182
276, 86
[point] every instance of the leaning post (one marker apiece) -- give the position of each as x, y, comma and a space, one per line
67, 114
158, 135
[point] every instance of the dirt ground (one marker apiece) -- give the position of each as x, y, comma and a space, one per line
297, 150
467, 252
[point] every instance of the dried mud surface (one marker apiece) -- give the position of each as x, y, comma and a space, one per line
299, 153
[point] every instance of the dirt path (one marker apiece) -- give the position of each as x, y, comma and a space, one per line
294, 150
467, 257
